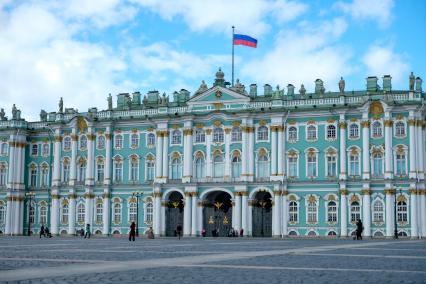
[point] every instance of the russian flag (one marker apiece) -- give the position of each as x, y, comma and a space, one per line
245, 40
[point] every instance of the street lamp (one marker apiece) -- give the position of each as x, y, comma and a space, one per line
30, 195
395, 215
137, 194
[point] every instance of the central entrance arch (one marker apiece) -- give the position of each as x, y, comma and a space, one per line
262, 214
174, 213
217, 214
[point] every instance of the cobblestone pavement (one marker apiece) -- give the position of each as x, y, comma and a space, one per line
205, 260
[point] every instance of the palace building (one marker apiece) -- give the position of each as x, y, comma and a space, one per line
275, 163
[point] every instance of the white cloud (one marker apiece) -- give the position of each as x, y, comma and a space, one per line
303, 55
377, 10
382, 60
220, 15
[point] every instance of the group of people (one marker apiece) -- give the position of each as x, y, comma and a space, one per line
234, 233
359, 230
44, 231
132, 233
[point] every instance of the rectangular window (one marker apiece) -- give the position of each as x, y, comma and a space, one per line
331, 166
33, 177
312, 166
34, 150
292, 166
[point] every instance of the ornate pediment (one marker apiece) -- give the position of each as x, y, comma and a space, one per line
218, 95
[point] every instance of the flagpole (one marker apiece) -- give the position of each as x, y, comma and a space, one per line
233, 32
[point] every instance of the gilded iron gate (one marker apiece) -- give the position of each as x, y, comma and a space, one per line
217, 215
174, 213
262, 215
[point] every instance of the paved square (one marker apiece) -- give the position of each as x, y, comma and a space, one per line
206, 260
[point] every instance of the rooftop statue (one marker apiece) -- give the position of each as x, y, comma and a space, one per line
145, 100
128, 102
2, 115
164, 100
302, 90
238, 87
290, 90
203, 87
277, 93
109, 99
342, 85
14, 112
411, 80
43, 115
61, 105
18, 114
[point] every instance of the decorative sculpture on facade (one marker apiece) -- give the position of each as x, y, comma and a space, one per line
61, 105
109, 99
411, 81
302, 90
342, 85
203, 87
2, 115
14, 112
43, 115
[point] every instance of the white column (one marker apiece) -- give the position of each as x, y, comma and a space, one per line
106, 212
280, 152
250, 153
9, 216
274, 151
73, 168
200, 214
244, 212
389, 212
276, 214
342, 149
344, 213
54, 214
17, 214
366, 149
250, 218
158, 155
88, 206
420, 149
166, 156
157, 213
412, 150
413, 215
422, 197
244, 156
108, 157
388, 149
187, 155
12, 165
187, 212
194, 231
284, 213
71, 216
20, 229
366, 212
208, 153
237, 198
227, 173
90, 158
163, 217
57, 159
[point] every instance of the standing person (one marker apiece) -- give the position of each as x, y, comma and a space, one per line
42, 233
241, 232
359, 229
150, 233
132, 232
87, 235
179, 230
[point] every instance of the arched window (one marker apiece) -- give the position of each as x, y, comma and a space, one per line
401, 163
118, 141
355, 211
65, 170
132, 211
101, 142
262, 133
218, 165
100, 170
81, 174
311, 164
99, 212
176, 137
332, 233
200, 136
81, 211
199, 165
45, 149
354, 163
377, 129
134, 140
292, 164
150, 139
331, 132
236, 134
218, 135
402, 211
43, 214
118, 170
293, 210
176, 166
377, 164
292, 133
3, 174
117, 213
150, 167
33, 176
149, 210
2, 213
378, 215
399, 129
134, 168
64, 214
312, 212
236, 165
353, 131
67, 143
311, 133
331, 212
3, 149
262, 164
83, 142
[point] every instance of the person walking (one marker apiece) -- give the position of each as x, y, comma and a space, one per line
359, 229
132, 233
179, 230
87, 235
42, 233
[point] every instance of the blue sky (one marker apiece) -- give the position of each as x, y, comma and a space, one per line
83, 50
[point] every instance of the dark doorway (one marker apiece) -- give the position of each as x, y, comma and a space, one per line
262, 214
174, 213
217, 214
